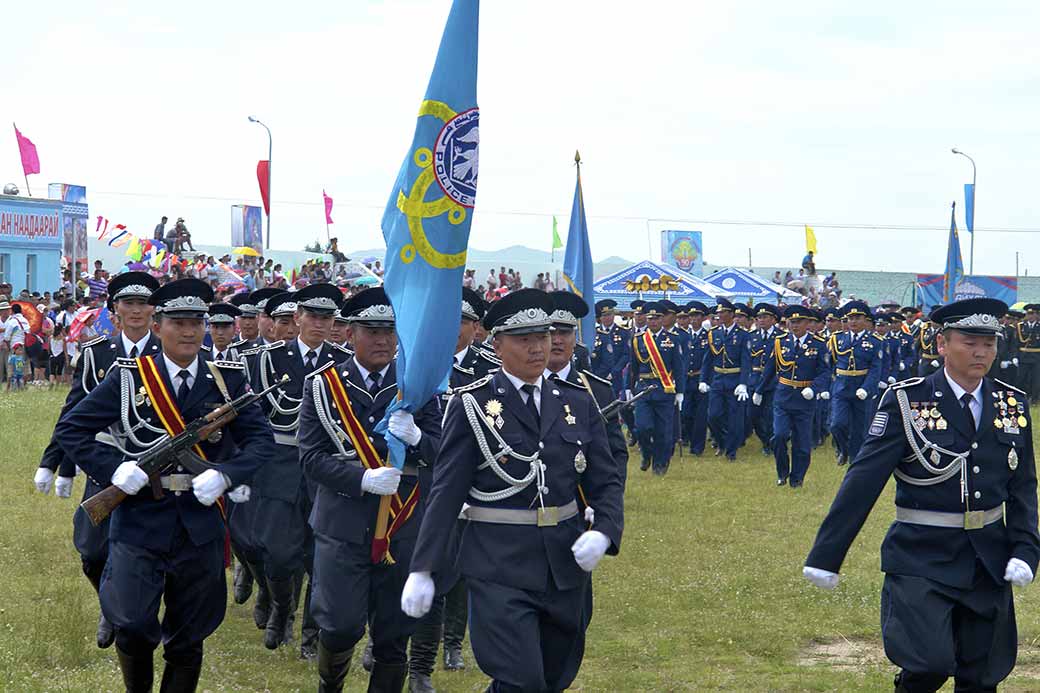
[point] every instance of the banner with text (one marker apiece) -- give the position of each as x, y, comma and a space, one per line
930, 289
683, 249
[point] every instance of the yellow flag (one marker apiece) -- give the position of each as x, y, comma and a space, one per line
810, 240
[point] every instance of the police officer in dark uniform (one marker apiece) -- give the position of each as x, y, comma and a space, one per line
760, 349
858, 359
1028, 333
526, 552
248, 325
695, 403
724, 377
1005, 366
280, 500
472, 361
961, 448
345, 458
656, 361
167, 546
222, 331
264, 321
128, 299
797, 370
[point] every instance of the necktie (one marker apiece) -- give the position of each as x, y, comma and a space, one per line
219, 356
531, 406
374, 387
182, 391
133, 352
310, 359
966, 399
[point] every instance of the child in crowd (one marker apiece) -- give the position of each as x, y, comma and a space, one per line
56, 370
16, 368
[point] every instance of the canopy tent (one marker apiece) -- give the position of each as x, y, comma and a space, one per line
643, 280
746, 284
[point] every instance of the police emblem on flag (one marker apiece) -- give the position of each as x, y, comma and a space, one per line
878, 424
455, 157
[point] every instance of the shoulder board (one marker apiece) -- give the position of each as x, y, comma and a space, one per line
591, 376
463, 369
250, 352
235, 345
205, 348
328, 365
337, 347
262, 347
475, 385
909, 382
576, 386
96, 340
581, 344
124, 362
1010, 387
488, 357
234, 365
819, 338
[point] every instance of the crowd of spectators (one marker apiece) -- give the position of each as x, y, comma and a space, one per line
822, 292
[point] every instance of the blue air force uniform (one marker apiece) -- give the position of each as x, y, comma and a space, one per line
796, 364
726, 366
759, 419
858, 362
929, 358
654, 415
169, 548
695, 403
610, 348
1028, 333
966, 510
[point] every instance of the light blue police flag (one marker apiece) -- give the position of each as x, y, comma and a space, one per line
427, 220
969, 206
577, 260
954, 264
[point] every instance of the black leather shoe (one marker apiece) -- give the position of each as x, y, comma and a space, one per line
332, 668
781, 482
138, 672
281, 604
453, 660
842, 459
644, 465
106, 633
242, 582
796, 484
420, 683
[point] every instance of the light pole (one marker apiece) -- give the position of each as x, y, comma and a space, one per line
971, 256
270, 200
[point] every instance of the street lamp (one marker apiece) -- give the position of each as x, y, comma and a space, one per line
270, 200
971, 260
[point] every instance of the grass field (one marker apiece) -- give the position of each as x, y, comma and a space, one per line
707, 594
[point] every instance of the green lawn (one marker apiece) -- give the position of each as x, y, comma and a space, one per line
707, 594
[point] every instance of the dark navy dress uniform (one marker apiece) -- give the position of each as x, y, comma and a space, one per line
966, 503
727, 364
695, 403
858, 362
654, 415
796, 364
1028, 334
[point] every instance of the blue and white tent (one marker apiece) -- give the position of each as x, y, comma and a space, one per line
744, 283
690, 288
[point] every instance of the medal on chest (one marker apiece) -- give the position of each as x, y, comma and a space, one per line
493, 408
580, 463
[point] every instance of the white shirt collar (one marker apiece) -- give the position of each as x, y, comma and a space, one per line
519, 384
304, 348
561, 374
365, 372
128, 346
461, 356
959, 391
173, 369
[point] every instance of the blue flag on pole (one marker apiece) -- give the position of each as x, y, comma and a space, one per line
577, 261
427, 220
969, 206
954, 265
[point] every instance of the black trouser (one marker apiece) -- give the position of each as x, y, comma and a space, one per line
456, 612
1029, 373
427, 639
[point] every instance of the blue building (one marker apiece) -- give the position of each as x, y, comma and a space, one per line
31, 237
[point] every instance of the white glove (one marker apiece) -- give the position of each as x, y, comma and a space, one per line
881, 385
741, 392
679, 400
402, 426
1014, 361
935, 364
417, 595
590, 515
825, 395
240, 494
589, 549
807, 393
63, 486
703, 388
628, 395
902, 366
1004, 364
891, 380
861, 393
209, 486
824, 579
42, 480
756, 399
1018, 573
382, 481
129, 478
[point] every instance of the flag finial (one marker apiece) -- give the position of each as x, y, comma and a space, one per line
577, 157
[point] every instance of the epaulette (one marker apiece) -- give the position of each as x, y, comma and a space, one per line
592, 376
818, 337
262, 347
328, 365
909, 382
463, 369
96, 340
234, 365
205, 348
235, 345
475, 385
581, 344
126, 362
251, 351
1010, 387
576, 386
489, 358
339, 347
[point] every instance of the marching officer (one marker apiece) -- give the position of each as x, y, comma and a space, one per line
638, 316
340, 333
858, 357
760, 349
656, 360
167, 543
798, 371
1028, 333
724, 377
264, 321
1005, 366
515, 448
961, 448
610, 348
695, 403
468, 357
357, 579
929, 360
222, 331
669, 322
128, 296
247, 319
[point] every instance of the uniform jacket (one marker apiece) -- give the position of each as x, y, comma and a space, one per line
852, 354
726, 351
603, 395
341, 509
609, 354
946, 555
797, 361
671, 354
1028, 337
760, 352
480, 362
698, 346
238, 451
521, 556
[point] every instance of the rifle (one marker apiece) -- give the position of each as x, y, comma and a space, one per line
174, 451
617, 405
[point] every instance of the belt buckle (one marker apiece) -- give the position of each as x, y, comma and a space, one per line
974, 519
548, 517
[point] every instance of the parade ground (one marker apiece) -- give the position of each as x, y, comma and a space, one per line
706, 595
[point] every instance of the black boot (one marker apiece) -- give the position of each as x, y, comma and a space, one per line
262, 608
180, 678
243, 583
420, 683
281, 603
332, 668
387, 678
138, 672
308, 628
106, 632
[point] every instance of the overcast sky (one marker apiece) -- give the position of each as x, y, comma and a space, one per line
685, 112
